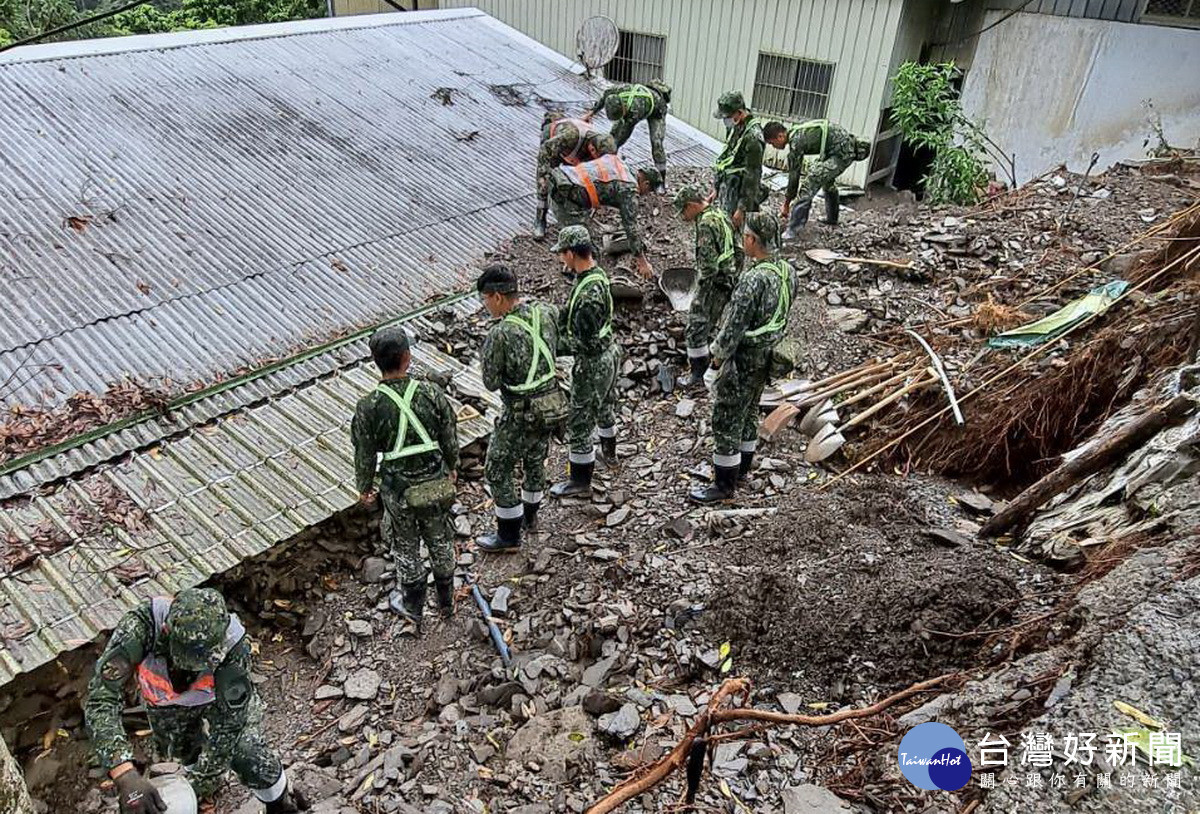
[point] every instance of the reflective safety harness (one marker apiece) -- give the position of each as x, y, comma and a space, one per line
408, 419
154, 675
594, 277
582, 128
812, 124
782, 305
603, 169
733, 149
716, 218
541, 353
634, 92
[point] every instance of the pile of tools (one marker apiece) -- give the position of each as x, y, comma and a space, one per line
874, 386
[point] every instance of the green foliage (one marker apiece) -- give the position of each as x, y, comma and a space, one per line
24, 18
927, 110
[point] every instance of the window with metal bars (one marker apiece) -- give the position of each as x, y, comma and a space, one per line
792, 88
1173, 11
639, 58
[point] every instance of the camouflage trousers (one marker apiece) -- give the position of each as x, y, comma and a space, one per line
593, 400
705, 313
179, 733
517, 439
403, 530
622, 129
735, 404
729, 190
567, 210
823, 175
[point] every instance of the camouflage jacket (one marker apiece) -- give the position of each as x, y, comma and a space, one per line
804, 141
751, 306
621, 195
585, 323
719, 252
569, 146
637, 102
373, 432
740, 162
508, 348
133, 640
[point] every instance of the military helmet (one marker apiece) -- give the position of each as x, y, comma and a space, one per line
571, 237
690, 193
196, 626
550, 117
731, 102
765, 227
664, 90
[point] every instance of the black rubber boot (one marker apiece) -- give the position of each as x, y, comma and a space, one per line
722, 488
744, 467
529, 521
444, 586
661, 187
833, 206
798, 218
291, 802
579, 482
608, 448
697, 365
409, 602
506, 538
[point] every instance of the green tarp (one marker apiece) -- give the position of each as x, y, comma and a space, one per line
1096, 301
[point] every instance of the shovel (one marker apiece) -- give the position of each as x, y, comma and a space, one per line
828, 256
818, 416
829, 439
678, 283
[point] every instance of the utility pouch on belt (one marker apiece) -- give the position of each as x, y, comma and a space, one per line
551, 409
785, 357
438, 493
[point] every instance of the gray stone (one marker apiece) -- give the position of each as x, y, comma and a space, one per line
482, 752
559, 742
374, 569
500, 600
359, 627
327, 691
607, 554
685, 408
790, 702
462, 526
617, 517
810, 799
596, 675
446, 690
354, 719
499, 696
848, 320
682, 705
597, 703
621, 724
362, 685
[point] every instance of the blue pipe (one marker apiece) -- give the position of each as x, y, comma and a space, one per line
497, 637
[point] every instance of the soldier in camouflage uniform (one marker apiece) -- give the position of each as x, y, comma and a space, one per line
191, 659
405, 431
578, 190
585, 331
565, 141
751, 326
518, 360
626, 105
737, 172
718, 260
835, 149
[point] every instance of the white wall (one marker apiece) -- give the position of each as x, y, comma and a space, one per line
1054, 89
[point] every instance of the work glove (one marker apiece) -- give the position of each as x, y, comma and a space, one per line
137, 795
710, 378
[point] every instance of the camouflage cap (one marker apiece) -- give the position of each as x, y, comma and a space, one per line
196, 627
731, 102
391, 335
571, 237
686, 195
765, 227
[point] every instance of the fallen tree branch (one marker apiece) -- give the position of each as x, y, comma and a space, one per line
713, 714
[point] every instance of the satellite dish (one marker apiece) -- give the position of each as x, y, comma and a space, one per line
597, 41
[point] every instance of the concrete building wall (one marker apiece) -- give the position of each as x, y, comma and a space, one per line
713, 45
1054, 89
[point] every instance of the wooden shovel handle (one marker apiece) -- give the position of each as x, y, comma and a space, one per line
899, 377
873, 262
870, 367
846, 384
929, 378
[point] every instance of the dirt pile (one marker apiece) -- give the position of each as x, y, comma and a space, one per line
858, 596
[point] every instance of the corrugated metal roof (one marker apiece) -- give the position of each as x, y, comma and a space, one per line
252, 192
247, 197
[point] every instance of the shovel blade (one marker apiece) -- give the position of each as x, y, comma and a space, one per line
678, 283
823, 256
818, 416
826, 442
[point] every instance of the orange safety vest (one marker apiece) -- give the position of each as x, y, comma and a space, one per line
154, 677
584, 129
605, 168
